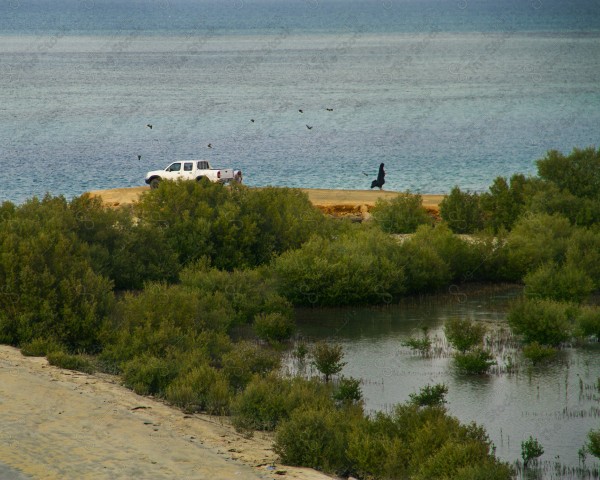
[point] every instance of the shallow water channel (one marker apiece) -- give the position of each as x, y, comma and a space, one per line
557, 403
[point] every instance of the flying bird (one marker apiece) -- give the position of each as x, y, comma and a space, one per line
329, 109
252, 120
209, 145
149, 126
139, 157
301, 111
309, 127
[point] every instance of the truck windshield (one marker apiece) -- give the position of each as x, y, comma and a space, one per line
174, 167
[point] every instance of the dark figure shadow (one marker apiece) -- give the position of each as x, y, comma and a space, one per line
380, 178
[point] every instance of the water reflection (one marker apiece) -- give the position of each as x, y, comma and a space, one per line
555, 403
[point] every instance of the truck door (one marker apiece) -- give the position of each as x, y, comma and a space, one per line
175, 169
188, 172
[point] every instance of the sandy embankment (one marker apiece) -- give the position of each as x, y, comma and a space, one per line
60, 424
334, 202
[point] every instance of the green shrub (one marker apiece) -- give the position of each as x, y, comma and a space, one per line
583, 253
348, 391
538, 353
504, 202
409, 442
196, 390
490, 253
579, 172
546, 321
245, 360
261, 406
531, 449
464, 334
535, 240
148, 375
474, 362
462, 257
49, 286
455, 460
314, 438
125, 250
593, 444
546, 197
62, 359
358, 268
236, 227
564, 283
430, 395
273, 327
149, 323
424, 269
421, 345
462, 211
588, 322
402, 214
248, 292
40, 347
327, 359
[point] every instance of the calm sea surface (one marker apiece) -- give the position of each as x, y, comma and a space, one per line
444, 92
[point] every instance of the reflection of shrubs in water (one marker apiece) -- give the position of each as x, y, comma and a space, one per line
538, 353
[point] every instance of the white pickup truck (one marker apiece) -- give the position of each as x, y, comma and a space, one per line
193, 170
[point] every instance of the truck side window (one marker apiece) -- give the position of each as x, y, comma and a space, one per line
187, 167
175, 167
203, 165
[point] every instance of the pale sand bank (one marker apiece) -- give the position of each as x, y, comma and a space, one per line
60, 424
319, 197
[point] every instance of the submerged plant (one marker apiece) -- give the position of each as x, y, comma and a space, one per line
328, 359
464, 334
538, 353
531, 449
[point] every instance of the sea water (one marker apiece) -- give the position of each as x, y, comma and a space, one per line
443, 92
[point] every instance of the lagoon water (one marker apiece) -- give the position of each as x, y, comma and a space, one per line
444, 92
557, 403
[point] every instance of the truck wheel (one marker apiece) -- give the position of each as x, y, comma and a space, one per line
155, 182
199, 179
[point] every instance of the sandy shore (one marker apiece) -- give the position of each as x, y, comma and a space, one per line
60, 424
334, 202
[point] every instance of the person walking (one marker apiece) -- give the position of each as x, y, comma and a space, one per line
380, 178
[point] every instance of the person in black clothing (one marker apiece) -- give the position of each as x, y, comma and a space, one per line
380, 178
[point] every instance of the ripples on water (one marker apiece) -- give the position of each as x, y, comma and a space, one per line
443, 95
